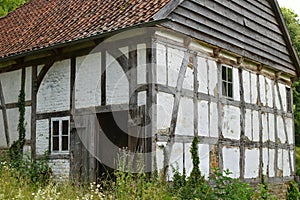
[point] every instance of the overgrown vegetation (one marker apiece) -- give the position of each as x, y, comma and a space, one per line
16, 149
32, 181
293, 192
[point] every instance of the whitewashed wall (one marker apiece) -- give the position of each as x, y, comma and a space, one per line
54, 92
88, 81
11, 84
117, 85
42, 136
258, 90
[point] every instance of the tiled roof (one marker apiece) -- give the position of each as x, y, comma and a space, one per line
43, 23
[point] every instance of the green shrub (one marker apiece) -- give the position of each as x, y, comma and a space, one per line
293, 192
37, 171
226, 187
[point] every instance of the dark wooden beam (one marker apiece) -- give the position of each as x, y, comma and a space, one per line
242, 124
50, 115
43, 73
120, 58
103, 77
34, 90
177, 97
132, 74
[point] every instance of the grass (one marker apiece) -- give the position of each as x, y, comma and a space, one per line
15, 186
298, 161
17, 183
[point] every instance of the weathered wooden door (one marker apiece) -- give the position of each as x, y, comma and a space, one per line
98, 139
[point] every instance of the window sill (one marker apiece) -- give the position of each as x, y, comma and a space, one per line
59, 155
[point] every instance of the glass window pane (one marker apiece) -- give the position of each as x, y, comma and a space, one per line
229, 74
65, 143
224, 73
55, 145
65, 127
230, 93
289, 99
224, 88
55, 127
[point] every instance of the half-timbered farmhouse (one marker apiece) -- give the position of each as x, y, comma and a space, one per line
149, 76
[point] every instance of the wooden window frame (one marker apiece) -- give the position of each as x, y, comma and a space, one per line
60, 135
227, 83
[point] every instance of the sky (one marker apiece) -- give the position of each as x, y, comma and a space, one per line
292, 4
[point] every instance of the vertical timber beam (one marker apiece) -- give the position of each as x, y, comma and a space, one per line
220, 117
103, 78
195, 98
275, 127
132, 74
4, 113
260, 171
242, 124
150, 104
34, 89
73, 171
293, 130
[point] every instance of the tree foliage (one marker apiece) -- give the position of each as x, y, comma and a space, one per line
7, 6
292, 22
293, 25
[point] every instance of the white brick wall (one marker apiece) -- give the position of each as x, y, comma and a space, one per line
88, 81
60, 169
42, 136
54, 92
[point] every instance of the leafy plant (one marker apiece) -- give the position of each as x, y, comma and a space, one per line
16, 149
37, 171
263, 191
293, 192
230, 188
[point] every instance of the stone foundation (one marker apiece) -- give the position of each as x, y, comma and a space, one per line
279, 189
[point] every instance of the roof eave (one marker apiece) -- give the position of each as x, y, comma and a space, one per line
286, 35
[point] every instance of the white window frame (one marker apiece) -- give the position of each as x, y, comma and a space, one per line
60, 120
226, 81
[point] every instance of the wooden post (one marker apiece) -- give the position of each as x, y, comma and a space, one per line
73, 172
195, 97
132, 74
103, 78
260, 171
242, 124
33, 111
220, 108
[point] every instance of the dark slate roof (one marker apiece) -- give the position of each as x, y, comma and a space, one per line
42, 23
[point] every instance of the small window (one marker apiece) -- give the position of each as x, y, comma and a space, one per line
289, 100
60, 137
227, 81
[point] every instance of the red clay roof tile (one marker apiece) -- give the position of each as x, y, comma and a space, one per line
42, 23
